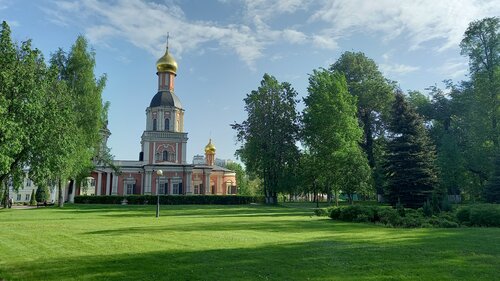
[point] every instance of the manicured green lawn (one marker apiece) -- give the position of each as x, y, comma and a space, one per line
89, 242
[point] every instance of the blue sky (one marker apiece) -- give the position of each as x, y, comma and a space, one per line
224, 47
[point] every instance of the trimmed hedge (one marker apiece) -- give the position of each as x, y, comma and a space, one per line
171, 199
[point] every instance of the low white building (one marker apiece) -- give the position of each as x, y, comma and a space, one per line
23, 195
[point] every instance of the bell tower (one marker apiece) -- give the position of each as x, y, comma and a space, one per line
164, 140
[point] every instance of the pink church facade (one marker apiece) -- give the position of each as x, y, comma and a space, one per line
162, 167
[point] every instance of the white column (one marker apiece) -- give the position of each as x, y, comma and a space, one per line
207, 183
114, 190
177, 152
184, 144
99, 183
108, 181
154, 153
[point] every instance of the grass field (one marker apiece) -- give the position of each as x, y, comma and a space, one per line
89, 242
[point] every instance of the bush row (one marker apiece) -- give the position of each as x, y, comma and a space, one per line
485, 215
479, 215
408, 218
170, 199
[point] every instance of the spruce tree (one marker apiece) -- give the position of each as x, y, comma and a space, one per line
410, 162
42, 193
32, 198
492, 190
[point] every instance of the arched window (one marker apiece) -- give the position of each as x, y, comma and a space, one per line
165, 155
167, 124
154, 124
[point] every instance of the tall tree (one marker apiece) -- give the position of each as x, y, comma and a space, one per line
23, 89
269, 134
82, 138
374, 96
481, 43
410, 168
331, 133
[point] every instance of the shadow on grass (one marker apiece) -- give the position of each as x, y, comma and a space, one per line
314, 260
185, 210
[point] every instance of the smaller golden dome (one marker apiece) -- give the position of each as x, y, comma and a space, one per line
167, 63
210, 147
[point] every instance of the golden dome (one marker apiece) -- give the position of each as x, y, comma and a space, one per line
210, 148
167, 63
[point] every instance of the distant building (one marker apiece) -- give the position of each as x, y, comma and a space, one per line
200, 159
23, 194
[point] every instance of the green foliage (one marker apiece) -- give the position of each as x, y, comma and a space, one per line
479, 215
269, 135
32, 198
24, 90
492, 190
427, 209
171, 200
331, 134
410, 169
374, 95
42, 193
409, 218
241, 179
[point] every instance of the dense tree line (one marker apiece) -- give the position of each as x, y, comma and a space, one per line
360, 134
50, 114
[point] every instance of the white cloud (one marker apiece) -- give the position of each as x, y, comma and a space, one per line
294, 36
324, 42
453, 68
266, 9
397, 69
417, 21
146, 24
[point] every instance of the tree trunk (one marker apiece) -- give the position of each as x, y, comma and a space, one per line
61, 195
317, 199
336, 198
5, 195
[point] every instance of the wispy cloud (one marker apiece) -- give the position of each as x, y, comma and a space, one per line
453, 68
419, 24
415, 21
105, 21
397, 69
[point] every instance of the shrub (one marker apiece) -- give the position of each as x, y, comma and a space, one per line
485, 215
427, 209
171, 199
321, 212
389, 216
335, 213
463, 215
357, 213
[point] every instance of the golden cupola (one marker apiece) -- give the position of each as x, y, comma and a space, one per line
210, 147
167, 63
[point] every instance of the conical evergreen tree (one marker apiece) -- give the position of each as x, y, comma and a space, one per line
42, 193
492, 190
32, 198
410, 161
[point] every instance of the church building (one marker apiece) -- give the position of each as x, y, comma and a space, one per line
162, 166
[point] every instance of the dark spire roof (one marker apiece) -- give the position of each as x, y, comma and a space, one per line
165, 98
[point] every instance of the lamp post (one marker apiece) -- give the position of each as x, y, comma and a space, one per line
159, 173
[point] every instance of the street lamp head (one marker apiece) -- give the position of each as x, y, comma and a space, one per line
159, 173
